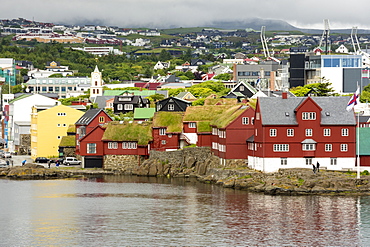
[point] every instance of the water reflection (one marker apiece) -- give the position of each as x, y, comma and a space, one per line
137, 211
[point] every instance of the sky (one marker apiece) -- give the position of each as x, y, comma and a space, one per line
189, 13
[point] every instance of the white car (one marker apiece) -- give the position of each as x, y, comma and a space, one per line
71, 161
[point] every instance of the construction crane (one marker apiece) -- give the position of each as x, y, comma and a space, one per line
265, 48
357, 49
325, 35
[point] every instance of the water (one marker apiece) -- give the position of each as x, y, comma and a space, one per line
140, 211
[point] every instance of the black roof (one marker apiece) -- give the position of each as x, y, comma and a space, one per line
88, 116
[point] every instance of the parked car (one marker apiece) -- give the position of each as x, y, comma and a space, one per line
41, 160
3, 164
71, 161
6, 154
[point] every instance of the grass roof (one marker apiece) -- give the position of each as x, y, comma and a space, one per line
228, 116
207, 112
171, 120
221, 101
117, 131
68, 141
71, 128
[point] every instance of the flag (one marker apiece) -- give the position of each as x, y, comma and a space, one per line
353, 100
258, 81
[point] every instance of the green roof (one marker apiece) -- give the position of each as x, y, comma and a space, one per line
364, 138
144, 113
228, 116
71, 128
68, 141
124, 131
135, 92
171, 120
207, 114
20, 97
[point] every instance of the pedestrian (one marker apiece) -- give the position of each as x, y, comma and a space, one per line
24, 162
7, 162
57, 164
314, 168
11, 162
49, 163
317, 166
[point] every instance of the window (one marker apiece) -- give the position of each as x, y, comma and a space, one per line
344, 132
101, 119
308, 161
257, 116
159, 106
64, 125
129, 145
162, 131
112, 145
328, 147
245, 120
326, 132
91, 148
308, 146
163, 142
214, 131
59, 137
62, 114
281, 147
333, 161
58, 125
308, 132
343, 147
215, 145
120, 107
171, 107
308, 115
273, 132
129, 107
283, 161
192, 125
241, 88
252, 120
290, 132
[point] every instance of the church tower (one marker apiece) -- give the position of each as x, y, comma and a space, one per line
96, 88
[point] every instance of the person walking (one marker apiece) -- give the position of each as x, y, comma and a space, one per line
314, 168
24, 162
317, 166
49, 163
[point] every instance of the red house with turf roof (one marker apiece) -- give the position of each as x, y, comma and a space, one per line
230, 132
167, 131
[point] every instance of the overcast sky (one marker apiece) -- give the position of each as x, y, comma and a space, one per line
189, 13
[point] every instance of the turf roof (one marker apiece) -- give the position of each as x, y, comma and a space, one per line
68, 141
171, 120
124, 131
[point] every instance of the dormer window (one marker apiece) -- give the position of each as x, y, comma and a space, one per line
308, 115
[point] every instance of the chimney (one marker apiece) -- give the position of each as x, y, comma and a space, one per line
284, 95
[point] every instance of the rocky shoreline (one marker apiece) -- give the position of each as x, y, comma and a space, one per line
284, 182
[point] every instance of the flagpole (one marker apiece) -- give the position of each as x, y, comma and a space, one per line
358, 145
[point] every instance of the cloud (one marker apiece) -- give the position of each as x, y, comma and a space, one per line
170, 13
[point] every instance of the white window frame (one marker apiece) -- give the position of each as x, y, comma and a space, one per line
290, 132
91, 148
171, 107
345, 132
128, 107
309, 147
309, 132
112, 145
308, 161
308, 115
273, 132
327, 132
328, 147
344, 147
162, 131
119, 107
129, 145
245, 120
281, 147
192, 125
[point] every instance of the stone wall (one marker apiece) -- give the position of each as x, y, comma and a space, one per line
25, 144
122, 163
187, 162
69, 152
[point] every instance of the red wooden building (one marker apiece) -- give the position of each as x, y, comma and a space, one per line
296, 132
91, 148
230, 132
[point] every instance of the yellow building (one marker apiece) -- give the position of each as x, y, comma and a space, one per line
48, 125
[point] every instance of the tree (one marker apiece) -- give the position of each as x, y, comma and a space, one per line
164, 55
319, 89
223, 77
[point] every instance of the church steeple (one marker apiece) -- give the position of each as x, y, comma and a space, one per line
96, 87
